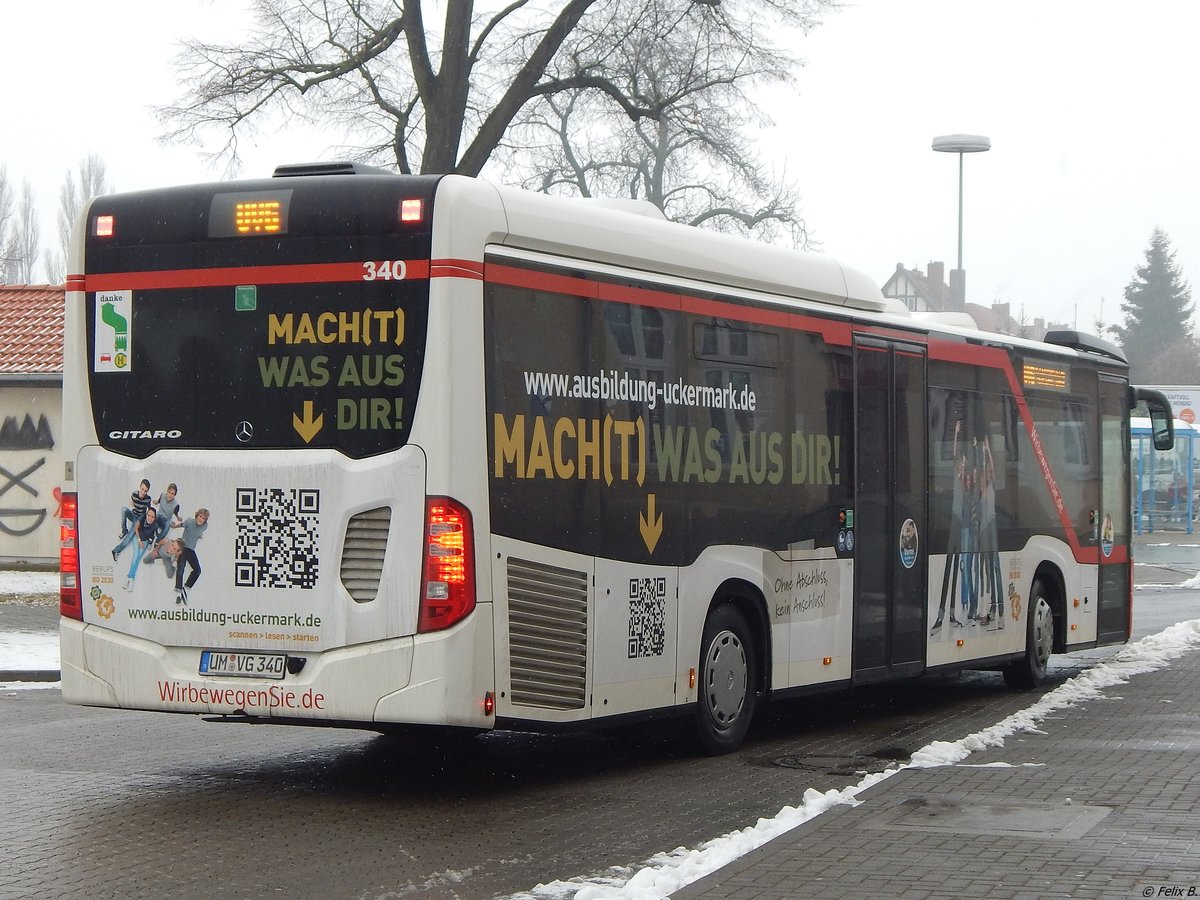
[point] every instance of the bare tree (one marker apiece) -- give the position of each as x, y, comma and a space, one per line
691, 66
7, 223
21, 257
407, 92
375, 67
79, 187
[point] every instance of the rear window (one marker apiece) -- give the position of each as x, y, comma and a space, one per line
309, 332
298, 366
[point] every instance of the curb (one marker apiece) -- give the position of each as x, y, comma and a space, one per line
10, 675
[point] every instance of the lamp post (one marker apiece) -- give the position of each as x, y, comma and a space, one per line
960, 144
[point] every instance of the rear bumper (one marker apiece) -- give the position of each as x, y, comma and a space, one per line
427, 680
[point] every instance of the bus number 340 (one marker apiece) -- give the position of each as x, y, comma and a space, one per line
384, 270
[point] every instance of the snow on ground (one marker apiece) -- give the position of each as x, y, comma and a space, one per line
24, 651
669, 872
24, 584
7, 686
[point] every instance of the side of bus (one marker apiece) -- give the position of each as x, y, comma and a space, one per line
702, 492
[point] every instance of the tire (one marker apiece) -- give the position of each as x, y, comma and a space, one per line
727, 694
1030, 671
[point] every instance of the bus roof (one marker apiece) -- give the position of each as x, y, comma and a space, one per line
620, 234
633, 234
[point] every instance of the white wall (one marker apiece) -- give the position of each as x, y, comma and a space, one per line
31, 469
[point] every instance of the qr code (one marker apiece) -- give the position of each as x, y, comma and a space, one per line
277, 531
647, 617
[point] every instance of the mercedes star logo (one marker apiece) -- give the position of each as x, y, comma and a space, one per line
244, 431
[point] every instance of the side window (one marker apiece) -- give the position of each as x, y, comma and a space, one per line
818, 416
632, 362
1067, 429
740, 369
972, 454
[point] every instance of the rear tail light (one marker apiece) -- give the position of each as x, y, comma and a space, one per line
69, 600
448, 579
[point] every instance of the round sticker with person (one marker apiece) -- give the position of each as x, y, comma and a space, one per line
908, 543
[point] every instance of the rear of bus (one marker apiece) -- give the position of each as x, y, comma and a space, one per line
253, 361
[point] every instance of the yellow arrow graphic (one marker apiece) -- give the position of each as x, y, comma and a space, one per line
308, 427
651, 525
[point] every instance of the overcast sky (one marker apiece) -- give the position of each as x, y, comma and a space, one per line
1088, 104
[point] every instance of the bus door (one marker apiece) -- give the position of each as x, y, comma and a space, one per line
1113, 618
890, 535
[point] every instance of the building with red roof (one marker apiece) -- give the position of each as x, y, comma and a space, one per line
31, 465
31, 330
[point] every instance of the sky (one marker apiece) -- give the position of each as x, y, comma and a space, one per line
670, 870
1086, 103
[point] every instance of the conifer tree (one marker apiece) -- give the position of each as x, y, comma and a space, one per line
1158, 315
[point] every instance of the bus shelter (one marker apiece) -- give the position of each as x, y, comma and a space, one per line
1164, 481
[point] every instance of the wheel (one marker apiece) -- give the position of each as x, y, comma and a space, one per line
728, 680
1030, 671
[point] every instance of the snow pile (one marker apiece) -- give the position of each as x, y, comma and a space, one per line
24, 584
26, 652
1148, 654
669, 872
1192, 583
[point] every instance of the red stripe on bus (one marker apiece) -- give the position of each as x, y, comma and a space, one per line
456, 268
623, 293
313, 273
291, 274
512, 276
834, 331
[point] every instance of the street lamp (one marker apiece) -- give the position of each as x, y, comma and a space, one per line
960, 144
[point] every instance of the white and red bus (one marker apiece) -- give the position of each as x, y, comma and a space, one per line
424, 451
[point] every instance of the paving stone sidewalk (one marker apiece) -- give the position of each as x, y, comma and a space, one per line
1102, 802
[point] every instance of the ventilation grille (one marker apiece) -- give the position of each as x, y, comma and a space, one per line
362, 554
547, 635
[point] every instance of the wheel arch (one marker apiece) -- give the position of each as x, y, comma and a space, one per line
1052, 579
748, 599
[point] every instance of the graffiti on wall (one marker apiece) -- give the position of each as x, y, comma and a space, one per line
24, 505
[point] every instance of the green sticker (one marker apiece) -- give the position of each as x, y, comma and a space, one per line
245, 297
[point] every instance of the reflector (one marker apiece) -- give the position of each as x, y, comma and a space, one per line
412, 210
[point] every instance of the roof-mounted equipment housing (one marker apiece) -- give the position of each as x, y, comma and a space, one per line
1087, 343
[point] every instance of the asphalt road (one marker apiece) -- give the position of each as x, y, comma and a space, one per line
110, 803
106, 803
